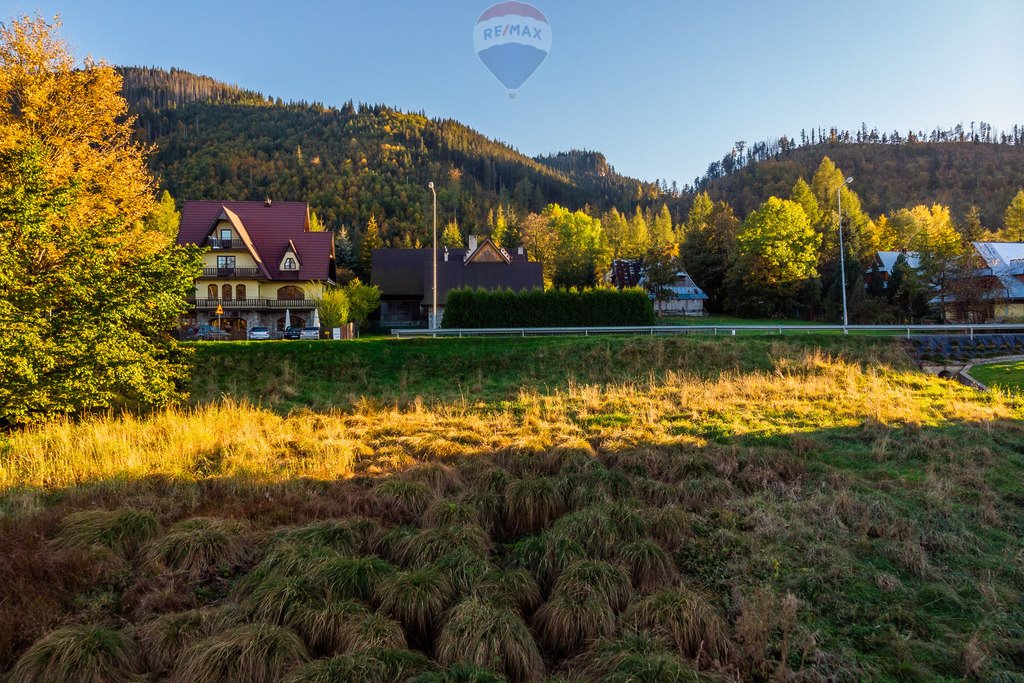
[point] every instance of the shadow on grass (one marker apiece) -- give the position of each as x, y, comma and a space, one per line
900, 544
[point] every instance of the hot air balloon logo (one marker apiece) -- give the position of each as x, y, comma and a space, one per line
512, 39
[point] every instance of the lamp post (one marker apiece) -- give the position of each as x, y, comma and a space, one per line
842, 251
433, 309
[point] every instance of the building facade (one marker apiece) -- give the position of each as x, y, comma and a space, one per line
262, 265
405, 277
681, 297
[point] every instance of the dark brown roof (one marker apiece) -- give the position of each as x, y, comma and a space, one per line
407, 274
267, 230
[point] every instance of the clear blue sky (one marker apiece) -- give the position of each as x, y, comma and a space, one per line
661, 87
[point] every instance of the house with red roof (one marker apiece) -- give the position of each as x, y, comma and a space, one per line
262, 266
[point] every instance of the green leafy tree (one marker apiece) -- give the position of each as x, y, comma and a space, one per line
616, 230
776, 261
88, 292
638, 237
710, 247
451, 236
363, 300
165, 217
577, 247
802, 195
333, 307
84, 321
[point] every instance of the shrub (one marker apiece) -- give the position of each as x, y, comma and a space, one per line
684, 618
476, 308
121, 532
480, 633
258, 653
532, 504
86, 652
195, 545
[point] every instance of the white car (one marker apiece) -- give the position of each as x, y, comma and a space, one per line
310, 333
259, 333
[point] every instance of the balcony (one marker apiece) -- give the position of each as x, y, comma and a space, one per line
239, 304
221, 245
248, 273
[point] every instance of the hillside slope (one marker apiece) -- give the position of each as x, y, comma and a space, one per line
215, 140
889, 177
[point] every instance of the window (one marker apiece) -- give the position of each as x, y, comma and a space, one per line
211, 292
225, 234
226, 292
289, 263
240, 292
225, 263
291, 292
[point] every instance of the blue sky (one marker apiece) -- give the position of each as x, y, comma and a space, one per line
661, 87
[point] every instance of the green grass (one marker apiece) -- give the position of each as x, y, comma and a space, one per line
1008, 376
760, 508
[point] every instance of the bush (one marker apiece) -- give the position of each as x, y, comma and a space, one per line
259, 653
84, 652
483, 634
475, 308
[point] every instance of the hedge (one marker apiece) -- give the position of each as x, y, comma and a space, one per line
474, 308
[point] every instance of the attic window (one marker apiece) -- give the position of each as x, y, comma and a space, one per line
289, 263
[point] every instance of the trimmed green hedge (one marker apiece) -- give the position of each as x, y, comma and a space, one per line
472, 308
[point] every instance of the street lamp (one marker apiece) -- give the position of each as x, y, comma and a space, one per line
433, 309
842, 251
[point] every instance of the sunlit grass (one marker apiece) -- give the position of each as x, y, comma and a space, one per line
754, 510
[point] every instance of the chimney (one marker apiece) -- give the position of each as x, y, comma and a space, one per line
472, 243
267, 202
519, 251
446, 254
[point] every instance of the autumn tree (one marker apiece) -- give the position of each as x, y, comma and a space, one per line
616, 230
710, 247
164, 218
776, 261
372, 239
451, 236
89, 288
661, 261
1013, 219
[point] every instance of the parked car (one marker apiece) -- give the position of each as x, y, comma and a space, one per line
259, 333
293, 332
310, 333
211, 333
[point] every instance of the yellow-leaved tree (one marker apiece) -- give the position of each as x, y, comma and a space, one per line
88, 290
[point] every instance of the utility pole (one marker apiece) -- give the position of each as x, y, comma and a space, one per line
433, 309
842, 252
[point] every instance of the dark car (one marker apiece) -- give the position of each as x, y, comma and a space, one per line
211, 333
293, 332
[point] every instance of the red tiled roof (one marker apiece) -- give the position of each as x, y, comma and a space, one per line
269, 230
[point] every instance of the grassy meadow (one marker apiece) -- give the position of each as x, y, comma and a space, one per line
1008, 376
632, 509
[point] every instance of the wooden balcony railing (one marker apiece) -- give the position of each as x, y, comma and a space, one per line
237, 304
231, 272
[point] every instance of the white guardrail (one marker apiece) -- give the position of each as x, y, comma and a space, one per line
665, 330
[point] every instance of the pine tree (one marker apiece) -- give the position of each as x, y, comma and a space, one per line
315, 224
971, 230
451, 237
344, 251
500, 232
638, 237
371, 240
1013, 221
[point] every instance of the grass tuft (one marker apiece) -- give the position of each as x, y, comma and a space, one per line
351, 578
194, 546
684, 618
633, 657
121, 531
601, 579
379, 665
86, 652
570, 619
480, 633
514, 588
416, 598
650, 566
403, 501
256, 653
532, 504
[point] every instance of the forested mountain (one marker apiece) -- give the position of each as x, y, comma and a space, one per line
219, 141
950, 168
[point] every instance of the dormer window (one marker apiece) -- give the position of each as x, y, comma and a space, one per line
289, 263
225, 233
